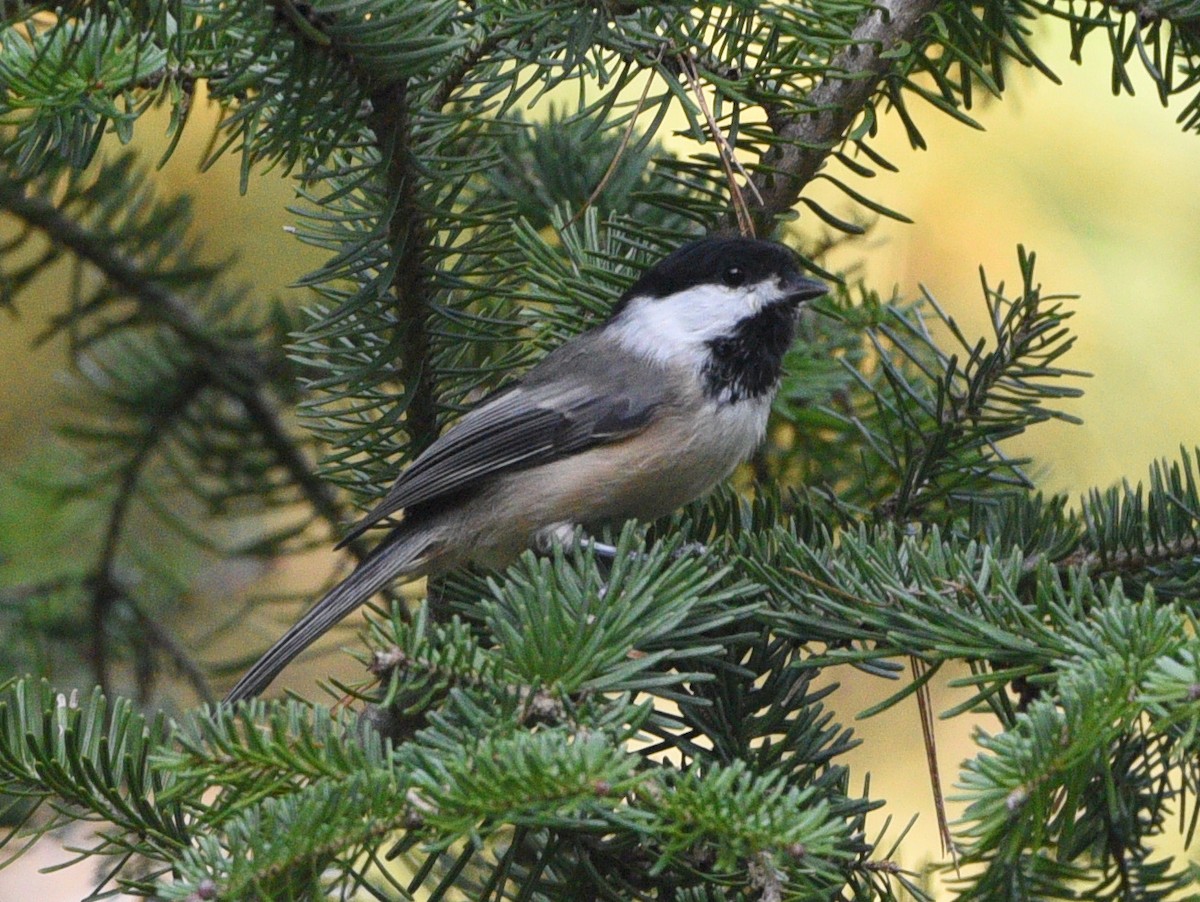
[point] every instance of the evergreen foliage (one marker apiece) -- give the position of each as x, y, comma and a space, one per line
651, 729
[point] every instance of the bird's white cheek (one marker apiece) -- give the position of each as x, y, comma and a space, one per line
680, 327
666, 329
652, 332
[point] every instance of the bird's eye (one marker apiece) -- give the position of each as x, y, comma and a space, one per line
734, 276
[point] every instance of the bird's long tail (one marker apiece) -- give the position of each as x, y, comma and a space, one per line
401, 553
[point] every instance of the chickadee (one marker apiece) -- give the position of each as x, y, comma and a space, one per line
631, 419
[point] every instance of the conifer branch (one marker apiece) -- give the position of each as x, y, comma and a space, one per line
656, 725
807, 138
1100, 563
104, 586
408, 239
407, 234
162, 304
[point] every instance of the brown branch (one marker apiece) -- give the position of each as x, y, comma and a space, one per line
406, 235
729, 160
807, 138
390, 120
1119, 562
920, 671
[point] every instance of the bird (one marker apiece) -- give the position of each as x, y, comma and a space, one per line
630, 419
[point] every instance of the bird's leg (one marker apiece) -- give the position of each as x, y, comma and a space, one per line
602, 550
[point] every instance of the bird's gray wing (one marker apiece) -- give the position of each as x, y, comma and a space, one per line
520, 428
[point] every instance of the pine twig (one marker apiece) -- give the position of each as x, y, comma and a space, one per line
929, 738
621, 148
729, 160
807, 138
104, 585
1099, 564
406, 235
390, 121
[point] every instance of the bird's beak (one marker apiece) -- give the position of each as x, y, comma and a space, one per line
800, 288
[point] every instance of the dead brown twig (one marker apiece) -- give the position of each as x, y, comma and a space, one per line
624, 145
729, 160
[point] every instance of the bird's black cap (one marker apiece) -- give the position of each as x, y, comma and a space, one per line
710, 260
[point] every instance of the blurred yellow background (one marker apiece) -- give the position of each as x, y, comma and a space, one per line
1104, 189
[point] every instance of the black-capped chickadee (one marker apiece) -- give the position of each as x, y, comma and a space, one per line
632, 419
